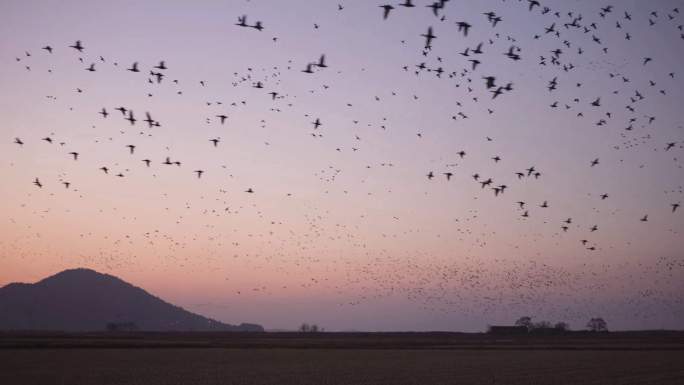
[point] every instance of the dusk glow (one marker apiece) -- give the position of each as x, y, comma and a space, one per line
377, 219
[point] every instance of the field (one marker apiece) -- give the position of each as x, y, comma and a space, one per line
353, 358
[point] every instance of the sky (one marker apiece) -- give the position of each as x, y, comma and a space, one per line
343, 227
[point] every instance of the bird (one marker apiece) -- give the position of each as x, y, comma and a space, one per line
386, 10
321, 62
18, 141
105, 169
644, 218
316, 123
430, 175
74, 154
428, 38
463, 27
199, 173
77, 46
134, 67
131, 118
675, 206
215, 141
37, 183
147, 162
448, 175
223, 118
104, 112
258, 26
308, 69
249, 190
242, 21
149, 120
131, 148
489, 81
533, 3
48, 48
594, 162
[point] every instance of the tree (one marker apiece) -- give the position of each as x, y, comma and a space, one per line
525, 321
313, 328
597, 325
541, 325
561, 326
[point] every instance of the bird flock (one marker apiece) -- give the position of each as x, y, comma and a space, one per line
490, 70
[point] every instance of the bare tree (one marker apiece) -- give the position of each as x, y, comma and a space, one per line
597, 325
541, 325
313, 328
525, 321
561, 326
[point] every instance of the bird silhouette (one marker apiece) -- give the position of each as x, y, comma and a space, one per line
77, 46
131, 118
386, 10
428, 37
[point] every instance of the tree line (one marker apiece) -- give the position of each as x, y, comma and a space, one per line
596, 324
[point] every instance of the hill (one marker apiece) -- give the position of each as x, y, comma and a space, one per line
85, 300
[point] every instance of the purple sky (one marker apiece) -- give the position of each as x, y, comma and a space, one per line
344, 228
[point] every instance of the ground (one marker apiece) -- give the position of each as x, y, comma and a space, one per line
442, 358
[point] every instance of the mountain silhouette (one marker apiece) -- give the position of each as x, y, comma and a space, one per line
85, 300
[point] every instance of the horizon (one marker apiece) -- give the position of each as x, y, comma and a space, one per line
373, 219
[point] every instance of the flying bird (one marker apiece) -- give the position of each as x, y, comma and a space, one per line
77, 46
386, 10
428, 38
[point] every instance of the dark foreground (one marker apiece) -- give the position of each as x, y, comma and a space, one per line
440, 358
